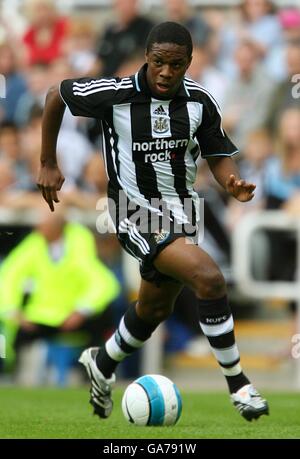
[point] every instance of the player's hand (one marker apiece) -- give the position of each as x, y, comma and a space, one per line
240, 189
50, 181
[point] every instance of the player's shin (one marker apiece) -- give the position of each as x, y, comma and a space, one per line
216, 322
130, 335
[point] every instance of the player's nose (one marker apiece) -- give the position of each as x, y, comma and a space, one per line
166, 72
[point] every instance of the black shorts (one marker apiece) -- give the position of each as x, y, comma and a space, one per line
144, 234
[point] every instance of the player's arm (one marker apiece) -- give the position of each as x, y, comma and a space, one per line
218, 149
50, 178
227, 175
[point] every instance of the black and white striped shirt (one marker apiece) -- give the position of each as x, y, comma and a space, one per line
151, 145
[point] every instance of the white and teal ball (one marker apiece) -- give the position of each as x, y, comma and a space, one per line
152, 400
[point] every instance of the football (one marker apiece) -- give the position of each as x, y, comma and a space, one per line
152, 400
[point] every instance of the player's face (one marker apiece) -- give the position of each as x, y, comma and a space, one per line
167, 64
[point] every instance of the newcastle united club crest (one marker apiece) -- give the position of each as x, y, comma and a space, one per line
161, 235
160, 120
161, 125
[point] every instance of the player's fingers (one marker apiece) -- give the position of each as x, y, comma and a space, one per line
54, 196
42, 190
231, 179
60, 184
250, 187
230, 182
49, 198
241, 183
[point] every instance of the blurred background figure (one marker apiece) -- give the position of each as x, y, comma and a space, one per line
290, 22
14, 81
51, 286
282, 190
203, 71
258, 23
125, 37
253, 164
283, 171
283, 96
79, 46
37, 83
7, 176
248, 95
277, 65
11, 150
181, 11
46, 31
256, 155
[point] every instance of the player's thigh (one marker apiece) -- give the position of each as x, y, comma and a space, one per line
157, 302
192, 266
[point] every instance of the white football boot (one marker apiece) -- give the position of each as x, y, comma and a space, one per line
249, 402
100, 386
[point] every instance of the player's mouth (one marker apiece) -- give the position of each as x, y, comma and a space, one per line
163, 88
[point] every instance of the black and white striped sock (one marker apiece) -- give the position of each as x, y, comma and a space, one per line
129, 336
216, 322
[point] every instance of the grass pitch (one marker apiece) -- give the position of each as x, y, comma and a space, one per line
65, 413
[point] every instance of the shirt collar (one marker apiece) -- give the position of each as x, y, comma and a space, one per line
142, 85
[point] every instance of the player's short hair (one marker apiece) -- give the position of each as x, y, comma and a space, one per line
170, 32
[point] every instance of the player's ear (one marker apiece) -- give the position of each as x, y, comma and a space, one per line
146, 56
189, 62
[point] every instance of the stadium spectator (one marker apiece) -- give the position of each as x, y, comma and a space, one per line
37, 80
94, 176
14, 82
182, 12
257, 153
283, 193
283, 171
9, 141
132, 64
284, 95
257, 23
261, 24
44, 37
207, 75
11, 149
79, 46
16, 181
52, 283
7, 176
277, 65
121, 39
290, 23
248, 95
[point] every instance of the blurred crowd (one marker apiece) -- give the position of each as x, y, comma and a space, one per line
247, 56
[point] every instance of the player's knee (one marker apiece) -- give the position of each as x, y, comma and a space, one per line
209, 284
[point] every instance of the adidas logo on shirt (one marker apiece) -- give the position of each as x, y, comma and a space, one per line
159, 111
